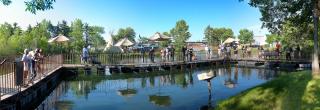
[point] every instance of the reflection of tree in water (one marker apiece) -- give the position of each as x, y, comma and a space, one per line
152, 81
180, 79
266, 74
54, 101
160, 100
246, 72
82, 88
64, 105
143, 82
128, 91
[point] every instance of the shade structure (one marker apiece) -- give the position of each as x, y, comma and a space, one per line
159, 37
124, 42
229, 40
58, 39
109, 43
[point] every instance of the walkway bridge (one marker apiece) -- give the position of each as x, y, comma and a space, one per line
11, 68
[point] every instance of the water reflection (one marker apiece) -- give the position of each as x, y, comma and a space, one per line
160, 100
151, 90
54, 99
128, 92
207, 76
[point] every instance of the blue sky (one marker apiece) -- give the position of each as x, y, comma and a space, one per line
145, 16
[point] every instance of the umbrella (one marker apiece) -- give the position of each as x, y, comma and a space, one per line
229, 40
159, 37
60, 38
124, 42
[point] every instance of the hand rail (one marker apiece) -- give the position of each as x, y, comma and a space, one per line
3, 61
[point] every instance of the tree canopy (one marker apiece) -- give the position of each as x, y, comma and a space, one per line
216, 35
13, 39
301, 13
180, 34
245, 36
271, 38
34, 5
276, 12
125, 33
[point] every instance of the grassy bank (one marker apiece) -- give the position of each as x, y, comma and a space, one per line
296, 91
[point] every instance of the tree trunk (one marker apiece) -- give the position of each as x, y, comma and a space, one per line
315, 61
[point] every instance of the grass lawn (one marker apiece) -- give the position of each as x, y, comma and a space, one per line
295, 91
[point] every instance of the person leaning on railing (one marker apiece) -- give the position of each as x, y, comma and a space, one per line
39, 61
26, 64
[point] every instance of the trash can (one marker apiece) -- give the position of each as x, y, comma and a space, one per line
18, 72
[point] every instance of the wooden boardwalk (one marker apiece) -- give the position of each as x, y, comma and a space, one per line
11, 88
7, 81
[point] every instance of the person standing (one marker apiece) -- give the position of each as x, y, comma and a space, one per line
298, 51
278, 46
184, 51
261, 52
151, 55
32, 63
172, 53
85, 54
206, 49
25, 59
243, 50
235, 52
228, 51
190, 52
39, 59
168, 53
249, 51
163, 54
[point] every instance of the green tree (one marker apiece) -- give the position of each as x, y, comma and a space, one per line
163, 44
63, 28
276, 12
245, 36
34, 5
224, 33
217, 35
125, 33
210, 36
96, 39
77, 35
180, 34
271, 38
143, 39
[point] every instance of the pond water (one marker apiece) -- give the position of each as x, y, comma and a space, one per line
152, 91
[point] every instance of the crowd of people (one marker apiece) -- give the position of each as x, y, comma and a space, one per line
168, 53
32, 60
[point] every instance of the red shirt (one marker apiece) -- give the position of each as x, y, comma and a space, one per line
278, 46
